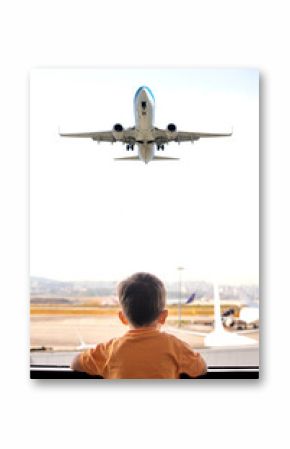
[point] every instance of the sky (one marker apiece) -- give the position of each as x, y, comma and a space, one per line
93, 218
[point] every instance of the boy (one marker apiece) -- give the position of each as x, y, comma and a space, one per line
143, 352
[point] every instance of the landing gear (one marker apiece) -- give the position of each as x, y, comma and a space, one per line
129, 147
160, 147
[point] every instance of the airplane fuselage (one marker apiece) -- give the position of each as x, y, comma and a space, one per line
144, 108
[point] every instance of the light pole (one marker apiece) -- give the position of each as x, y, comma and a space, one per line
179, 298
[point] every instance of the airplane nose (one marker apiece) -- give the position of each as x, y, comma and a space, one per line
144, 93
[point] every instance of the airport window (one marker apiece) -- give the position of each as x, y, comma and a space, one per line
178, 213
66, 320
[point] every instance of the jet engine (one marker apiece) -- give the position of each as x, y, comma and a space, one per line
118, 128
171, 127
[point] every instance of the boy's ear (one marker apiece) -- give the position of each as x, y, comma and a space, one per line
162, 317
122, 317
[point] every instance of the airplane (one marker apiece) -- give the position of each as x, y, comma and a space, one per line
219, 336
144, 134
83, 345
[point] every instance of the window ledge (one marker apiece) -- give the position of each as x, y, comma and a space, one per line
214, 372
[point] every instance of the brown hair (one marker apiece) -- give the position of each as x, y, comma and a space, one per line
142, 297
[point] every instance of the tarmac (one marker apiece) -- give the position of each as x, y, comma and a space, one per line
56, 339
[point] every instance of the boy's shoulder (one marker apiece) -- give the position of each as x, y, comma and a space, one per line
171, 338
164, 337
181, 344
150, 334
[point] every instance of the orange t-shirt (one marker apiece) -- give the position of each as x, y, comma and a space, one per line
144, 353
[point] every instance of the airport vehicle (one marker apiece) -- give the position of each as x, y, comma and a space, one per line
144, 134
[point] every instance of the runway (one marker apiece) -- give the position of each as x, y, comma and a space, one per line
62, 336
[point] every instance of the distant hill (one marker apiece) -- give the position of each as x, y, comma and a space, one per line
43, 287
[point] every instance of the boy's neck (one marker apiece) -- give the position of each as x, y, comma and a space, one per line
155, 326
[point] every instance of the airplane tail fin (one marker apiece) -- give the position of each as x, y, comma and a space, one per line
155, 158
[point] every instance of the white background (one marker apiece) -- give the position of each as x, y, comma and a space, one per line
203, 414
92, 218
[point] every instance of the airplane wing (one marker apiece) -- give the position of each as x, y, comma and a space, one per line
99, 136
184, 136
126, 136
165, 136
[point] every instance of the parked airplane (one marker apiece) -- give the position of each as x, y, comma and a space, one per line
219, 336
144, 134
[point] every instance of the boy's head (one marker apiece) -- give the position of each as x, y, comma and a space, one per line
142, 297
